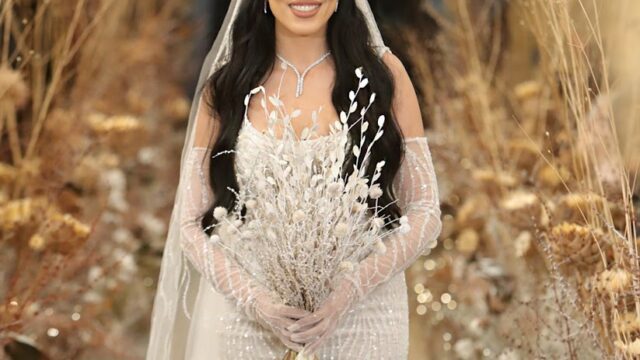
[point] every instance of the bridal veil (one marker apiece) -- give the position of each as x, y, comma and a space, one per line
175, 298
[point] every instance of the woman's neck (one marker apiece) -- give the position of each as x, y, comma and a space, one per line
300, 50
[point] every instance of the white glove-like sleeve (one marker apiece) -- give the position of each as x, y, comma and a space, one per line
221, 271
416, 189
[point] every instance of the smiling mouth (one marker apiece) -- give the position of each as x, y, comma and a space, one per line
305, 9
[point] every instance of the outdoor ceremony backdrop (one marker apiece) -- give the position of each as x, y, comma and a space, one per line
530, 106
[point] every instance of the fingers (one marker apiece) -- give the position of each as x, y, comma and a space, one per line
306, 321
280, 322
292, 312
313, 346
312, 333
288, 343
275, 323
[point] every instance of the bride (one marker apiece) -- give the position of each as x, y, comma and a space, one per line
306, 51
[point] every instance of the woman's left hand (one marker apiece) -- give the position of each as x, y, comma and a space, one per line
315, 328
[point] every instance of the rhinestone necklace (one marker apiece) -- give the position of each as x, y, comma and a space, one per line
300, 83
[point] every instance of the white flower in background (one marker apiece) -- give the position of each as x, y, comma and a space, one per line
464, 348
95, 273
508, 354
632, 348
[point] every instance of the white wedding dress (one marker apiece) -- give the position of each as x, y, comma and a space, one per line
376, 327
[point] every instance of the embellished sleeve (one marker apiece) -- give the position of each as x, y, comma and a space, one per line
221, 271
416, 190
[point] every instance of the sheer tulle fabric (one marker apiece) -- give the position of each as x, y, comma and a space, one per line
376, 327
416, 189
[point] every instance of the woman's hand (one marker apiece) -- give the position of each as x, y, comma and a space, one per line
276, 317
314, 329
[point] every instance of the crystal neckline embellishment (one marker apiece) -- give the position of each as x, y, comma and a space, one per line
300, 83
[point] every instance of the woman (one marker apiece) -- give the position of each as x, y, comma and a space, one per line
306, 51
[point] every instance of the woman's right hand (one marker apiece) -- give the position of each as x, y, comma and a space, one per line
276, 317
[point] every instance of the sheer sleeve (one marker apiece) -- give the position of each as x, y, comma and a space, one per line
416, 189
220, 270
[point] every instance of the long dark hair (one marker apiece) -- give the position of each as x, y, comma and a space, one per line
253, 57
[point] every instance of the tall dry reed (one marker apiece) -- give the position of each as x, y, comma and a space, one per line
539, 255
86, 95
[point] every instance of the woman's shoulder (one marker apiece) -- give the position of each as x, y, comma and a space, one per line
392, 61
405, 101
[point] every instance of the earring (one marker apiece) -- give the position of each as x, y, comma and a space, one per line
265, 6
337, 3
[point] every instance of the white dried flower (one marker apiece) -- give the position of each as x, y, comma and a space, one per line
247, 234
219, 213
298, 216
341, 229
346, 266
362, 189
214, 238
377, 222
251, 204
335, 188
405, 227
260, 185
357, 207
375, 191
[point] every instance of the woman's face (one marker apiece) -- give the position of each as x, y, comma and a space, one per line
303, 17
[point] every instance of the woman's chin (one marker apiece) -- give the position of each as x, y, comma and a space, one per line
304, 23
305, 27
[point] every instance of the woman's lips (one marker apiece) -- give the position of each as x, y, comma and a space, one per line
304, 9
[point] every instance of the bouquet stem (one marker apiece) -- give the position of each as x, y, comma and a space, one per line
292, 355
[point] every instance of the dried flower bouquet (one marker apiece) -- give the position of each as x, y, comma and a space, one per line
305, 224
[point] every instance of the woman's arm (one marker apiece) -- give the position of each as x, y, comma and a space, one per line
415, 187
224, 274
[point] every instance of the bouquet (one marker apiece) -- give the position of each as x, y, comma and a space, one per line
304, 223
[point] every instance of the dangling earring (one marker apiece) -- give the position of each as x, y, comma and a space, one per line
265, 6
337, 2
